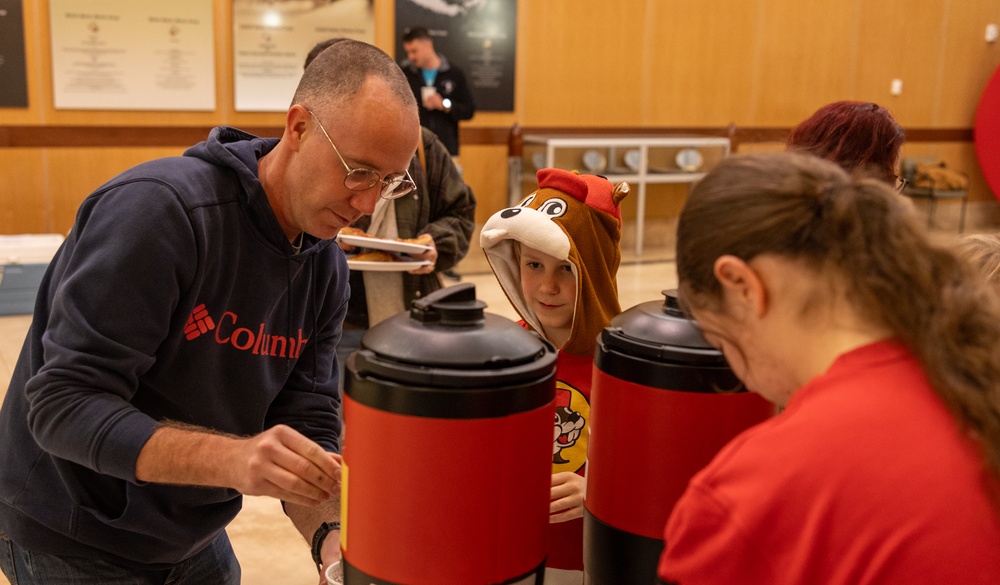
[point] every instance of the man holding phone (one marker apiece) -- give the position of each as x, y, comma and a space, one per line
439, 87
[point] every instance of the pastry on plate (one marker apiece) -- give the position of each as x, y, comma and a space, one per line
353, 231
420, 241
375, 256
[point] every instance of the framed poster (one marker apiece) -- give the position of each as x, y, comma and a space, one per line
127, 55
271, 39
479, 36
13, 74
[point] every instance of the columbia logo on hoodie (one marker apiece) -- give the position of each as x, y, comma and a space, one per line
200, 322
242, 338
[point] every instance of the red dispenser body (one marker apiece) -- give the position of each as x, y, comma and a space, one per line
663, 403
447, 453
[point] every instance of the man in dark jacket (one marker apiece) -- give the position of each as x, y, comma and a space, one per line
182, 347
439, 87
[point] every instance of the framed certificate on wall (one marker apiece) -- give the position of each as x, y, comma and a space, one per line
272, 38
127, 55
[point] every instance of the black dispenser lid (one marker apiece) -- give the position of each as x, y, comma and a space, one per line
660, 331
656, 344
446, 339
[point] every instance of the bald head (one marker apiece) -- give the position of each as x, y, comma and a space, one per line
338, 73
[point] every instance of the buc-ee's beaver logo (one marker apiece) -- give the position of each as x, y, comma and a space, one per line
569, 444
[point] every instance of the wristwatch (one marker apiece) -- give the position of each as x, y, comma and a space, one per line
317, 542
446, 104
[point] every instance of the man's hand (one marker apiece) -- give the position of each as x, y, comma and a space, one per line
280, 462
566, 495
434, 101
284, 464
431, 254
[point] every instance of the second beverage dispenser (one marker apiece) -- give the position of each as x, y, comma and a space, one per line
663, 403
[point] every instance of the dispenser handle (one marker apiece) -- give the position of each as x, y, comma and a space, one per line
463, 291
671, 302
454, 305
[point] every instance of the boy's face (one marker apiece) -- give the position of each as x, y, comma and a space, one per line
549, 289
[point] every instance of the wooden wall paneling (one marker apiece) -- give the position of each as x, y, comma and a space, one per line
663, 207
24, 208
581, 61
967, 59
700, 62
385, 26
808, 58
492, 120
899, 41
751, 147
225, 96
484, 168
538, 34
73, 173
663, 201
43, 42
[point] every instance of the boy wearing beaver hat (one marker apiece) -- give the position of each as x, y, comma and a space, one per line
556, 256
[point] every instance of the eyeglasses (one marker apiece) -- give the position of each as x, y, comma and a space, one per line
901, 184
394, 185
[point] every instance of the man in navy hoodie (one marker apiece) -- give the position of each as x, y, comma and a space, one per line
182, 348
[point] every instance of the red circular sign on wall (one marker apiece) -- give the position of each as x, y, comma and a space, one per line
987, 133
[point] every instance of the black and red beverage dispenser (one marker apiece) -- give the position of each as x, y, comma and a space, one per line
447, 448
663, 403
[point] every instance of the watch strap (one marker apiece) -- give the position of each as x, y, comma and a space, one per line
317, 540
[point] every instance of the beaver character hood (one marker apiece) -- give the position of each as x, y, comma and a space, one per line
575, 218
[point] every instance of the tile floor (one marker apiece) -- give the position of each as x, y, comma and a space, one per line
269, 549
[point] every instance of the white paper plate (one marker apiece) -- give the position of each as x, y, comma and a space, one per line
632, 159
689, 160
594, 161
370, 266
380, 244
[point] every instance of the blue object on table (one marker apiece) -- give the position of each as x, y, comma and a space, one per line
19, 286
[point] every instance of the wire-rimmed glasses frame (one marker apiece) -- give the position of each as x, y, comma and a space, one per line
394, 185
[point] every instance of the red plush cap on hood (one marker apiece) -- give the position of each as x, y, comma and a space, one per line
593, 190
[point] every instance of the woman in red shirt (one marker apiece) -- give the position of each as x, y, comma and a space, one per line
829, 299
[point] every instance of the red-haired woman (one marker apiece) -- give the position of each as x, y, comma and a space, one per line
858, 136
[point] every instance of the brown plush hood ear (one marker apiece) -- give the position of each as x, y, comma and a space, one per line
571, 217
